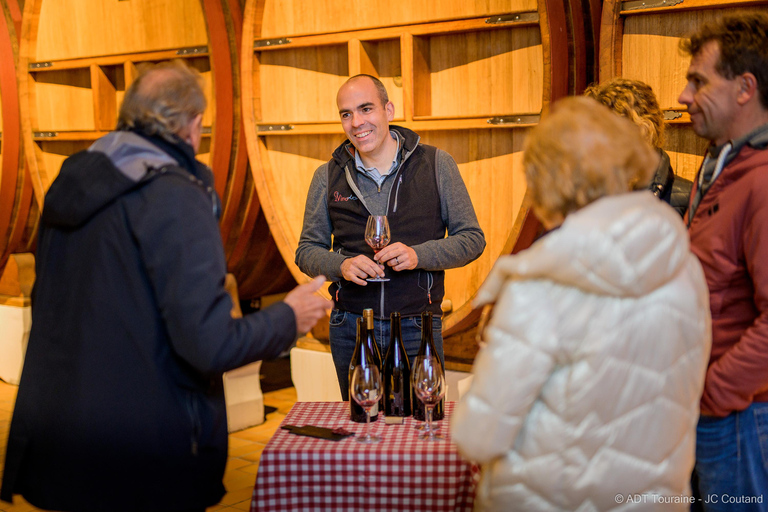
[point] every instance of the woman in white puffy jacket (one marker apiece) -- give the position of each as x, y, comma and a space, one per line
586, 395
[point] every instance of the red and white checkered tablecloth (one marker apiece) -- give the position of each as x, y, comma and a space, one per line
401, 473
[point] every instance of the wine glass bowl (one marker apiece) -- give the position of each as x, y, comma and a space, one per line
377, 236
429, 386
366, 390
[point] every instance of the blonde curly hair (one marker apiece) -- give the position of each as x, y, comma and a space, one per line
634, 100
581, 152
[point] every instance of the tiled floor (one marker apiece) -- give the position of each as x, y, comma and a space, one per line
245, 449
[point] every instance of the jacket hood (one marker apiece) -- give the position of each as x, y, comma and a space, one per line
625, 245
89, 180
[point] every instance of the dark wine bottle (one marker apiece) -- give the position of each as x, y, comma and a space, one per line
370, 339
363, 355
397, 373
427, 348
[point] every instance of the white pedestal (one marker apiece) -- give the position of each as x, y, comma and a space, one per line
314, 376
15, 323
245, 401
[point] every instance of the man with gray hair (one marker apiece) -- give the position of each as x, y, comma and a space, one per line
121, 405
727, 99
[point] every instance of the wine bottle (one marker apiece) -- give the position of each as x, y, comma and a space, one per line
397, 373
371, 338
427, 348
363, 355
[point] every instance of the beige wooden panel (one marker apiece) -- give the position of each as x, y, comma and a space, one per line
490, 162
300, 85
85, 28
292, 163
54, 153
485, 73
686, 150
63, 100
203, 65
382, 59
104, 97
650, 50
293, 17
204, 154
651, 53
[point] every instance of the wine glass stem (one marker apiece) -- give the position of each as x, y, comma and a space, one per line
367, 422
429, 422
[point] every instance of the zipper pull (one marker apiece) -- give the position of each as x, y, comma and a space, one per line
429, 296
337, 294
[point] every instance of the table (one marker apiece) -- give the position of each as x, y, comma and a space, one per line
402, 473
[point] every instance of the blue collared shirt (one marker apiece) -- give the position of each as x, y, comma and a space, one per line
373, 172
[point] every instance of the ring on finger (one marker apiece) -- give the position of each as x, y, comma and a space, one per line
396, 262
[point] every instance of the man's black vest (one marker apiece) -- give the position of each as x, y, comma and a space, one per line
414, 218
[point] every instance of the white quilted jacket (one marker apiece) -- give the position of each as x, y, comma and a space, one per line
586, 396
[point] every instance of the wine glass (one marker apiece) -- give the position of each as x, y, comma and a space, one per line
366, 391
429, 386
377, 236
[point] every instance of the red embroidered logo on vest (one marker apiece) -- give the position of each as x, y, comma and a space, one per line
338, 197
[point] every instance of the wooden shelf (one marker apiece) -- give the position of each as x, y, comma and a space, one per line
460, 69
530, 18
633, 7
82, 95
82, 135
112, 60
418, 124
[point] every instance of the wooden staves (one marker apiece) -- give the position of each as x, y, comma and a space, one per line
79, 56
470, 77
19, 211
640, 41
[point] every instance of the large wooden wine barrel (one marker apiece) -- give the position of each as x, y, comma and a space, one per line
640, 40
19, 212
79, 56
18, 209
470, 77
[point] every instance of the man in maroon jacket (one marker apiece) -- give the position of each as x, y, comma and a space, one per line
727, 99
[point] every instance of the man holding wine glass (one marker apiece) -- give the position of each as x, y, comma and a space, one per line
384, 170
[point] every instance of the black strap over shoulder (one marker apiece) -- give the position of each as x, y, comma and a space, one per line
174, 170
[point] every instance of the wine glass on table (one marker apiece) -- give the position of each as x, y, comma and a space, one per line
377, 236
429, 385
366, 391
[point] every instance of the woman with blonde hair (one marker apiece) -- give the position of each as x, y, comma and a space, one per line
586, 393
636, 101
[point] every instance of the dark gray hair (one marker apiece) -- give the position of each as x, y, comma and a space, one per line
383, 96
743, 42
163, 99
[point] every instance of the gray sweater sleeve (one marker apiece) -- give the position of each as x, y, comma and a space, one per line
313, 255
465, 241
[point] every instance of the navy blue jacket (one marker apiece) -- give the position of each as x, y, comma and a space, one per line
120, 405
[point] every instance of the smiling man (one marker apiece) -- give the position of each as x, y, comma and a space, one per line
727, 99
384, 170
